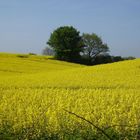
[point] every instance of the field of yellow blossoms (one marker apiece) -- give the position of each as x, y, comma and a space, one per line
42, 98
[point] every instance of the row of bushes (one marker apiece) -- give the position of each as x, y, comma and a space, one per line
103, 59
100, 59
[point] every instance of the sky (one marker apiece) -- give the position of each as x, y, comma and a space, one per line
26, 25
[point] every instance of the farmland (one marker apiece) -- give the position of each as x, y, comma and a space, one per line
42, 98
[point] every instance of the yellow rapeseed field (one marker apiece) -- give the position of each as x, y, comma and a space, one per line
41, 98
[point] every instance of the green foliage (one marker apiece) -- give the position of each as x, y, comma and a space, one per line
48, 51
93, 46
23, 55
66, 43
32, 53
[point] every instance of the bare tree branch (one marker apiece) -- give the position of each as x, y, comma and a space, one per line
98, 128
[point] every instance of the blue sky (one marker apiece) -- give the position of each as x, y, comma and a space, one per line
25, 25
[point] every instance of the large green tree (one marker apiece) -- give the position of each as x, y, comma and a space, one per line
66, 43
93, 46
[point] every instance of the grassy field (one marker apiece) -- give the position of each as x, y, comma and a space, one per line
41, 98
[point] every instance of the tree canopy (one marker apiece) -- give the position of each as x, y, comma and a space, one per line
93, 46
66, 43
48, 51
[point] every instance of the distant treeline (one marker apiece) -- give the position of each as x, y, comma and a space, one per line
103, 59
100, 59
66, 44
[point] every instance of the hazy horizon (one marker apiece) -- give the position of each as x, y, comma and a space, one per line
26, 25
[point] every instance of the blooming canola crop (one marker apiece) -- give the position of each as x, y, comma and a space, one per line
36, 91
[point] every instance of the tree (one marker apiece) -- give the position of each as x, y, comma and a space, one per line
66, 43
93, 46
48, 51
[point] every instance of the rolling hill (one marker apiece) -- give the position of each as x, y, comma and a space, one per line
42, 98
